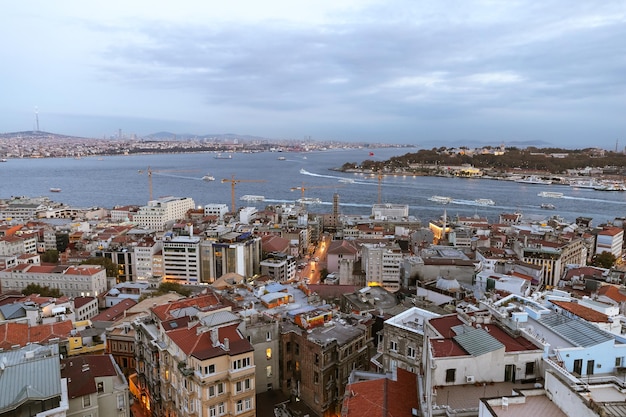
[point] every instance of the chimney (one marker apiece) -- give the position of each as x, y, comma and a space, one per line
215, 341
226, 344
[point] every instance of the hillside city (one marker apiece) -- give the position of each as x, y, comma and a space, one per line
170, 309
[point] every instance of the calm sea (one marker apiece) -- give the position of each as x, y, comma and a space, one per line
120, 180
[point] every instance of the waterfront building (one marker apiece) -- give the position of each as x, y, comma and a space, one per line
390, 211
215, 209
157, 213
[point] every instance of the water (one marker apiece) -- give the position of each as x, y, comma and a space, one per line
121, 180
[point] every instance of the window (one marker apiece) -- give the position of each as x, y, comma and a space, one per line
530, 368
618, 362
209, 369
450, 375
268, 353
316, 378
87, 401
297, 349
100, 386
212, 411
393, 346
239, 406
268, 336
220, 388
221, 409
241, 363
268, 370
410, 352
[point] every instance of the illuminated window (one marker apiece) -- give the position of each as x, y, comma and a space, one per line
268, 353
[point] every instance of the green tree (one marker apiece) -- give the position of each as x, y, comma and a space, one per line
62, 241
50, 256
166, 287
43, 291
108, 264
604, 260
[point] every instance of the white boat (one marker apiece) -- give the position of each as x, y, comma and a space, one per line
3, 160
249, 197
485, 202
610, 186
440, 199
221, 156
309, 200
590, 184
55, 190
208, 177
548, 206
281, 158
550, 194
347, 180
534, 179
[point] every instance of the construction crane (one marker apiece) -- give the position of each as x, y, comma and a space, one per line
151, 171
303, 188
233, 181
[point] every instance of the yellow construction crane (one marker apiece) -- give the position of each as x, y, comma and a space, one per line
303, 188
233, 181
151, 171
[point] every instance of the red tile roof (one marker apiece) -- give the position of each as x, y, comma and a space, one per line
583, 312
383, 397
203, 303
21, 333
115, 312
81, 373
200, 345
613, 293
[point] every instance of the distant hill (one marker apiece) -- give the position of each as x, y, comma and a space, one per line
188, 136
35, 134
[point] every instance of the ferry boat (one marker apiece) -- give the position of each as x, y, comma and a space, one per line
550, 194
249, 197
533, 179
55, 190
440, 199
548, 206
208, 177
485, 202
309, 200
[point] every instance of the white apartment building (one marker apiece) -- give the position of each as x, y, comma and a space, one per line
144, 259
218, 210
610, 240
17, 245
71, 281
382, 265
158, 212
181, 259
390, 211
247, 215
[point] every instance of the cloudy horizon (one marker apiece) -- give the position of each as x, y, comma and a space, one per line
457, 72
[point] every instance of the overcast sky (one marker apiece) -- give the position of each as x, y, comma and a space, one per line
421, 72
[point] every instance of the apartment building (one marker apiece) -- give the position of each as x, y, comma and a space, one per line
159, 212
381, 263
231, 252
71, 281
181, 259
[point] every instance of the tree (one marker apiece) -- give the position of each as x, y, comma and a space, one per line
50, 256
604, 260
62, 241
108, 264
43, 291
166, 287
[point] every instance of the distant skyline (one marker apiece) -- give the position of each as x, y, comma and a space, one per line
417, 72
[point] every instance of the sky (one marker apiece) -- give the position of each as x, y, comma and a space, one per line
454, 72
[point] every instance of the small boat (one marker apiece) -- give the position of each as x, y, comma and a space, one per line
550, 194
534, 179
55, 190
347, 180
221, 156
3, 160
282, 158
208, 177
547, 206
440, 199
485, 202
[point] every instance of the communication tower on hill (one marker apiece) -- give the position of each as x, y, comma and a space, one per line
36, 127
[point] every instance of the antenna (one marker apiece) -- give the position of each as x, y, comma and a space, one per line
36, 119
